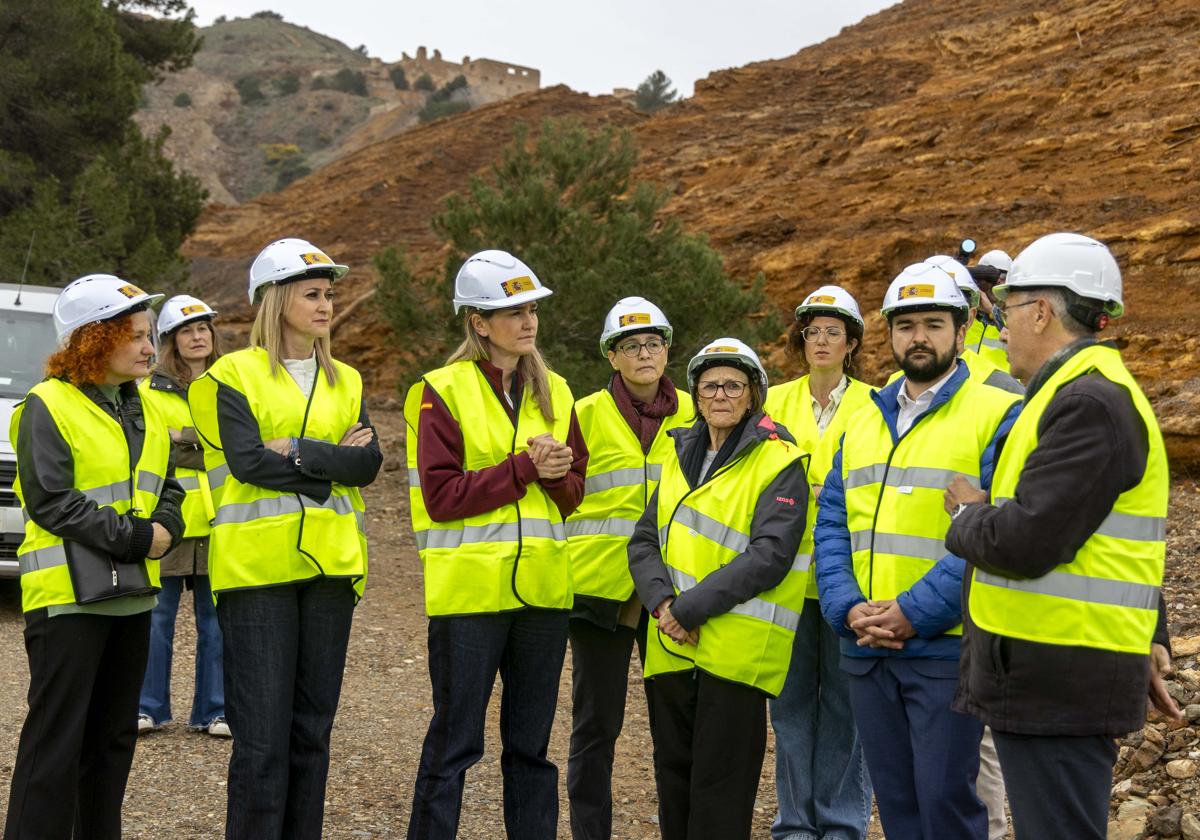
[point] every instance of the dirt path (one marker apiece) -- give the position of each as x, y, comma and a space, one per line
177, 787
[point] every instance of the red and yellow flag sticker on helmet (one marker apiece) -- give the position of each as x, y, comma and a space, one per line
634, 318
826, 299
721, 348
517, 285
916, 290
193, 309
130, 290
316, 258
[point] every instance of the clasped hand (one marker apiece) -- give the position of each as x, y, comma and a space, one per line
880, 624
552, 459
356, 435
672, 628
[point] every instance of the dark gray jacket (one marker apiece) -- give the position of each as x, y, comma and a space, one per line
46, 468
1092, 446
775, 531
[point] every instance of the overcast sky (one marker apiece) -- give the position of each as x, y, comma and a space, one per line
592, 47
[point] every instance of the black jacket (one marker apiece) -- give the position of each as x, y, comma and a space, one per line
1092, 446
46, 468
775, 531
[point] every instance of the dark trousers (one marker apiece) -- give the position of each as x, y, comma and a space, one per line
285, 650
599, 683
526, 647
1058, 786
709, 739
76, 748
922, 755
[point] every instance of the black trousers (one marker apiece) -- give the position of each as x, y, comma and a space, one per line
76, 747
599, 682
709, 740
1076, 770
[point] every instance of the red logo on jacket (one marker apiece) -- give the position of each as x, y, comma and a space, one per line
784, 500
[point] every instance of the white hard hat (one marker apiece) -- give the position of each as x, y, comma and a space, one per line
180, 310
729, 350
633, 315
496, 280
966, 283
833, 299
96, 297
923, 286
1070, 261
290, 259
996, 259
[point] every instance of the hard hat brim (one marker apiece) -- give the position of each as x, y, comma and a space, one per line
519, 299
1112, 308
833, 311
609, 339
203, 316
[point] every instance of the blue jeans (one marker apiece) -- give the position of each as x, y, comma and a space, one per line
526, 647
208, 700
820, 775
285, 651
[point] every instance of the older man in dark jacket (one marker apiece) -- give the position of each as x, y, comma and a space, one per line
1065, 625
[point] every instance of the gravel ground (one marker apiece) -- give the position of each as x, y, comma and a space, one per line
177, 787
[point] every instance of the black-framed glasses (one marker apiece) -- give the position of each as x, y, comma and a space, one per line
732, 388
1006, 308
633, 349
814, 333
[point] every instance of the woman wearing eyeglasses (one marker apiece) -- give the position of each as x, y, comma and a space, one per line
626, 427
820, 776
714, 557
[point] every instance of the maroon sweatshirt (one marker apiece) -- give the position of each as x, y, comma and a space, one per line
450, 492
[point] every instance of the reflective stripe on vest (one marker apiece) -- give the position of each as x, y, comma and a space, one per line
706, 528
894, 490
515, 555
263, 537
619, 484
1107, 596
102, 474
792, 405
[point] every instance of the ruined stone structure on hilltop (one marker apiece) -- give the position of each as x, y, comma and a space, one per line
489, 80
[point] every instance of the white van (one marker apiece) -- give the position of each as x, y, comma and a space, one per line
26, 340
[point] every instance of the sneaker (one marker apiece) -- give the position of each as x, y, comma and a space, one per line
147, 724
219, 728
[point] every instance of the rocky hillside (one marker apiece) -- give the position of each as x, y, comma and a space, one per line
266, 102
932, 120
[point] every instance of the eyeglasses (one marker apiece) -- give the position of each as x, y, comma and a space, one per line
1005, 309
732, 388
633, 349
814, 333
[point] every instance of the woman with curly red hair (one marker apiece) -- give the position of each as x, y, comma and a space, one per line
100, 502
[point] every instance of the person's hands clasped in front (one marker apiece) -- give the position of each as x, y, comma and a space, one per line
552, 458
671, 627
880, 624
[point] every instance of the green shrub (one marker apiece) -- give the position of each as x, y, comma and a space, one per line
182, 100
249, 88
655, 93
267, 15
568, 206
423, 82
398, 78
287, 85
349, 81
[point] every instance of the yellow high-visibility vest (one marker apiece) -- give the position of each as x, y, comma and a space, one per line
790, 404
1107, 596
198, 510
620, 481
100, 456
515, 555
263, 537
984, 339
704, 528
894, 489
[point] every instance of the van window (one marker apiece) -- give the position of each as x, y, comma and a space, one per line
26, 340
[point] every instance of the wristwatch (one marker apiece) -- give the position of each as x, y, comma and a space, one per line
959, 508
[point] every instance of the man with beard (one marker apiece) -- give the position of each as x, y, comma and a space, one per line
886, 583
